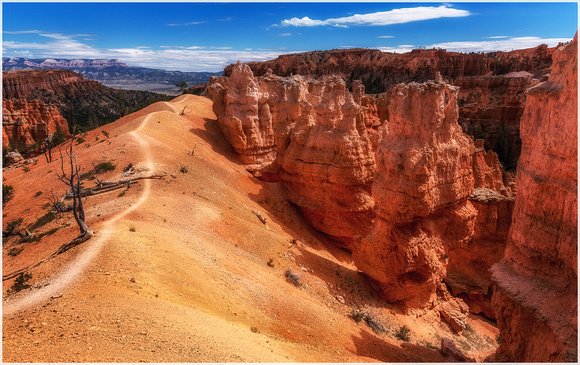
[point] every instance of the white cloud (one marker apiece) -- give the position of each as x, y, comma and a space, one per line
286, 35
183, 24
386, 36
395, 16
497, 37
498, 45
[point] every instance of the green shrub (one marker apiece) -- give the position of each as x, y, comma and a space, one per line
26, 169
21, 283
38, 193
80, 140
47, 218
7, 193
103, 167
404, 333
360, 316
106, 134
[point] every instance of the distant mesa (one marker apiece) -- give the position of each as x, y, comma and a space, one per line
114, 73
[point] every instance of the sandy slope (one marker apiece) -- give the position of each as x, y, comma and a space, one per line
178, 270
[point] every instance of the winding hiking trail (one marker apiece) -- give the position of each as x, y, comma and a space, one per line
68, 276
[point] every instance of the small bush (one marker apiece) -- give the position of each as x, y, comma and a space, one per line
47, 218
183, 169
103, 167
360, 316
404, 333
106, 134
80, 140
132, 229
7, 193
21, 283
270, 262
26, 169
37, 194
498, 339
121, 194
292, 277
87, 176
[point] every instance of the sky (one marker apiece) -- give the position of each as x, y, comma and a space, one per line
190, 36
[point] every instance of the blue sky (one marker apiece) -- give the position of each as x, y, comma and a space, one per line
208, 36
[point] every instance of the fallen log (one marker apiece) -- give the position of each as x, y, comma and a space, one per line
106, 186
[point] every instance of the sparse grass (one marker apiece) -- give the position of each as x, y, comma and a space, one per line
106, 134
80, 140
21, 283
37, 194
103, 167
121, 194
429, 346
292, 277
403, 333
498, 339
361, 316
26, 169
47, 218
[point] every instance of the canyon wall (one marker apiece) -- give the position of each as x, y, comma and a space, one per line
491, 99
379, 70
536, 297
443, 204
25, 123
80, 101
309, 134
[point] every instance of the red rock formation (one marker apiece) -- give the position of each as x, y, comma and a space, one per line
536, 300
80, 101
468, 273
27, 122
378, 70
421, 188
491, 108
314, 132
25, 84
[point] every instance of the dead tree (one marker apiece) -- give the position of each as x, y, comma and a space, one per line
73, 181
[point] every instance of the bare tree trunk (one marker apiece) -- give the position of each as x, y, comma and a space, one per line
73, 181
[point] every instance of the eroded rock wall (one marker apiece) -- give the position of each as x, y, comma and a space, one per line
421, 188
312, 134
536, 300
25, 123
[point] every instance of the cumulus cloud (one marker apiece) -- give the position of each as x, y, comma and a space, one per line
395, 16
498, 45
502, 44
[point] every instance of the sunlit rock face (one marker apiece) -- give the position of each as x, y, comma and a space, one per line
25, 123
422, 185
312, 135
536, 299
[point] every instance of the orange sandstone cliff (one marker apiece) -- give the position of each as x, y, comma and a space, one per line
311, 135
421, 187
25, 123
536, 297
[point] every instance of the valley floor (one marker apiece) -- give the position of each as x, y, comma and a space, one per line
182, 269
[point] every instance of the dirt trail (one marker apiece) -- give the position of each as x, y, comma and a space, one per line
71, 273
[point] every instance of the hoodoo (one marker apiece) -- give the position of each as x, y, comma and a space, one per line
536, 300
311, 133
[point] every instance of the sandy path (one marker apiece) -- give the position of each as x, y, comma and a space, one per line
72, 272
